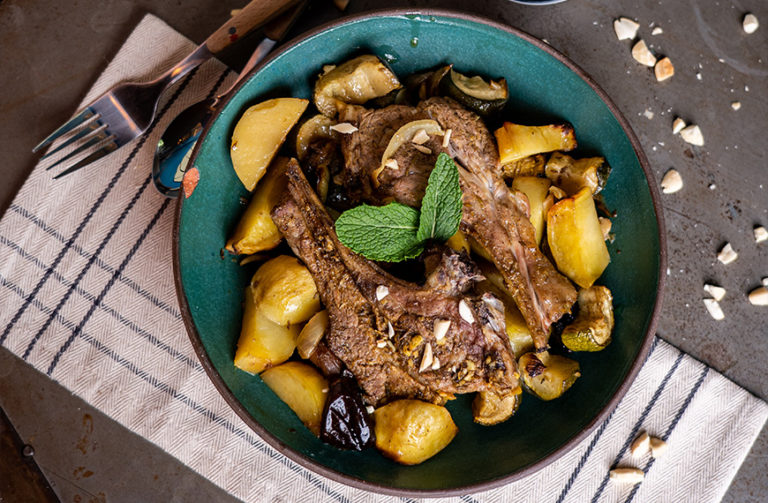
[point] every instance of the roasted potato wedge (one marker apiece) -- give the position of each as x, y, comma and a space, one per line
302, 388
573, 174
256, 231
591, 330
263, 343
576, 239
536, 190
353, 82
489, 408
548, 376
517, 141
412, 431
284, 291
258, 135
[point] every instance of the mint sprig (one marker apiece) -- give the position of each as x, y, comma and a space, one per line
397, 232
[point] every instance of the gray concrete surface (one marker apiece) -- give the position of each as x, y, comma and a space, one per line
52, 51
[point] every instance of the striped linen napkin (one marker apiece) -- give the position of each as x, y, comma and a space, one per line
87, 295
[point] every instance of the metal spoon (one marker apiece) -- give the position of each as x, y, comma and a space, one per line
175, 146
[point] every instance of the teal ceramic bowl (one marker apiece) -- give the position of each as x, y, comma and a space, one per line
543, 85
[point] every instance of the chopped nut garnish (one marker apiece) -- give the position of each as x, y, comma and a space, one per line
664, 69
642, 54
627, 475
717, 292
343, 128
625, 28
426, 358
390, 330
759, 296
658, 447
465, 312
420, 137
423, 149
692, 134
605, 226
369, 409
714, 309
672, 182
441, 328
557, 192
640, 445
736, 105
678, 125
760, 234
381, 292
657, 31
727, 254
381, 344
447, 137
435, 364
392, 164
750, 23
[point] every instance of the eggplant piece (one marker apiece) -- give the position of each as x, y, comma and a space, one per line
591, 330
571, 174
548, 376
485, 98
346, 424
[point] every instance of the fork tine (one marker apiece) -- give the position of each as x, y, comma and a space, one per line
75, 121
92, 127
94, 138
95, 156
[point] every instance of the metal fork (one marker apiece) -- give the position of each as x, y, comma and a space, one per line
127, 110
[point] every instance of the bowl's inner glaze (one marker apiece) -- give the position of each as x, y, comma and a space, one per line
541, 88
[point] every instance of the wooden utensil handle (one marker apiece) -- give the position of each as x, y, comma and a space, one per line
253, 15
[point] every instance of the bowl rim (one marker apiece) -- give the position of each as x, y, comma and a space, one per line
358, 483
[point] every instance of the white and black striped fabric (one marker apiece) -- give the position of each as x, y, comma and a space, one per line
87, 296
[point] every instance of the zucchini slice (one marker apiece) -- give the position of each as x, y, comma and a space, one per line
548, 376
533, 165
517, 141
489, 408
571, 174
591, 330
483, 97
318, 126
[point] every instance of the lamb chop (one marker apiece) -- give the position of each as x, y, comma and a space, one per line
400, 340
493, 215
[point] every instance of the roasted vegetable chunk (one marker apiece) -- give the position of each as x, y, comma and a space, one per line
591, 330
302, 388
258, 135
353, 82
571, 174
527, 166
489, 408
536, 190
412, 431
484, 97
548, 376
576, 239
346, 423
256, 231
517, 141
285, 291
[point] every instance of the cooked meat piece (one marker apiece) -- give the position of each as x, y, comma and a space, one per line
384, 328
495, 217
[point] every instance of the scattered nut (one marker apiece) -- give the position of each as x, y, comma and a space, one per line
640, 445
678, 125
423, 149
392, 164
343, 128
714, 309
760, 234
627, 475
426, 358
447, 137
765, 282
727, 254
736, 105
657, 31
658, 447
605, 226
625, 28
648, 113
672, 182
420, 137
664, 69
642, 54
381, 292
717, 292
750, 23
692, 134
465, 312
440, 328
759, 296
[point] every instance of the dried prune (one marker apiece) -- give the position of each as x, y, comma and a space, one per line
346, 424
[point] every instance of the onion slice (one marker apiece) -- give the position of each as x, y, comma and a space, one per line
312, 333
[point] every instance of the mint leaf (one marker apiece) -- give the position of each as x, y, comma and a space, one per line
386, 233
441, 206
